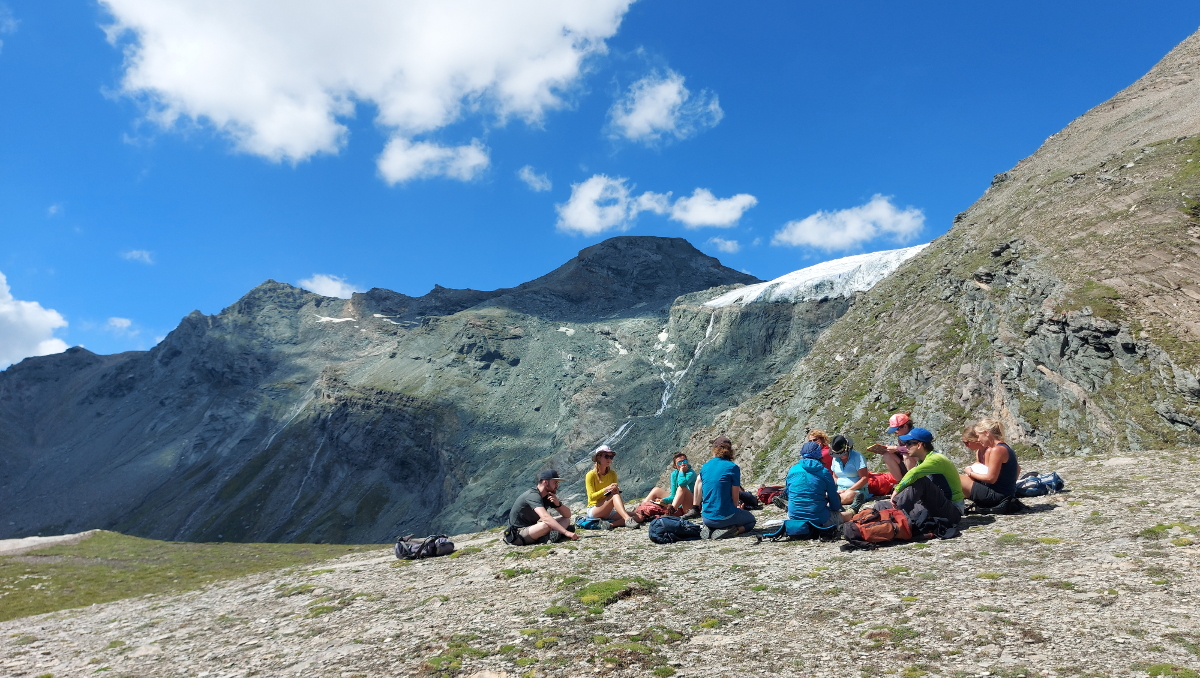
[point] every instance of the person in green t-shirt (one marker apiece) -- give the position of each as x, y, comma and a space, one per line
932, 483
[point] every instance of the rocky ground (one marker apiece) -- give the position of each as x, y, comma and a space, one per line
1096, 581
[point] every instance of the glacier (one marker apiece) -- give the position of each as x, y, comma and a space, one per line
829, 279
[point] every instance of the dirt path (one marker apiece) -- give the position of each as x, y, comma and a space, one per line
1083, 585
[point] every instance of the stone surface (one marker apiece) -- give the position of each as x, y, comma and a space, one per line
1072, 587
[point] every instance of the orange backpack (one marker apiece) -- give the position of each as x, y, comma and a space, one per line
878, 526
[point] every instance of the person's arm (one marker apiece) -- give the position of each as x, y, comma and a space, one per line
994, 460
737, 496
863, 476
698, 493
554, 524
919, 471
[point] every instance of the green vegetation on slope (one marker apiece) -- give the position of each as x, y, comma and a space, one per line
111, 566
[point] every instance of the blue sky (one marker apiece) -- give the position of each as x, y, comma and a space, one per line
195, 150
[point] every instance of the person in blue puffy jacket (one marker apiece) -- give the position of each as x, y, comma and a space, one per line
811, 492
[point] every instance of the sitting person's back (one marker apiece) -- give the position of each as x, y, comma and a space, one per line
811, 493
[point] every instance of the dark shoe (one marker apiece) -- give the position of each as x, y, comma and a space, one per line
692, 514
555, 537
724, 533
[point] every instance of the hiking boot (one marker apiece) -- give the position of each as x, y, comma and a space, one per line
634, 526
693, 514
724, 533
606, 525
705, 533
555, 537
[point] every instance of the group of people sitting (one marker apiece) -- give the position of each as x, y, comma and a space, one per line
825, 487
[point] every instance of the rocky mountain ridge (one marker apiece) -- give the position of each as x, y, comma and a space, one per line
295, 417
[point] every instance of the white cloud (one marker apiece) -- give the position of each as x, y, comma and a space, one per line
705, 209
848, 228
535, 182
144, 256
726, 246
403, 160
8, 23
329, 286
53, 209
604, 203
279, 78
122, 327
659, 105
26, 329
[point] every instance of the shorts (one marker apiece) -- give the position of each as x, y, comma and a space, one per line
613, 515
984, 496
525, 540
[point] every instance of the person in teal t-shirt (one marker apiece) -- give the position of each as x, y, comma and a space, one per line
719, 485
681, 499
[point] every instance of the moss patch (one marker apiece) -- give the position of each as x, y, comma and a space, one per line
111, 566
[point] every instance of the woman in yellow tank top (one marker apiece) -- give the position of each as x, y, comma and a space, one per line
604, 495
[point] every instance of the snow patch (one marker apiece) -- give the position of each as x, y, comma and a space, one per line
662, 336
837, 278
323, 319
570, 332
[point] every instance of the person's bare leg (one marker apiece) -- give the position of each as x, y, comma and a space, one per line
683, 499
656, 494
847, 496
603, 509
619, 506
538, 531
894, 464
967, 483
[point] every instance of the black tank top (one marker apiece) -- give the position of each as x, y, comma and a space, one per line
1006, 483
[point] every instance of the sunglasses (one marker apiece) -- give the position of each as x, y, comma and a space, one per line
681, 462
607, 456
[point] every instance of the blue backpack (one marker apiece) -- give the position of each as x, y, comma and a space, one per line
669, 529
802, 529
1034, 485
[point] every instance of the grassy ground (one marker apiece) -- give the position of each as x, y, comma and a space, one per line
111, 566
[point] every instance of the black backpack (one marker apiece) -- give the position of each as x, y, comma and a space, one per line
415, 548
670, 529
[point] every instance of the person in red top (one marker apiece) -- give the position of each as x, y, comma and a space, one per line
822, 438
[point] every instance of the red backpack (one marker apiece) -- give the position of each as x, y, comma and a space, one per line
766, 493
877, 526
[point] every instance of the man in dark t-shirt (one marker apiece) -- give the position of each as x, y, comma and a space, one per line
530, 522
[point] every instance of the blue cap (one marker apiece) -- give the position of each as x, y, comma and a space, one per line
810, 450
919, 435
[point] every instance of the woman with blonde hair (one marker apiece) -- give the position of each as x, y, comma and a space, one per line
604, 494
993, 478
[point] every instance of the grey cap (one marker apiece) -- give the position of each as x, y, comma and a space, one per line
548, 474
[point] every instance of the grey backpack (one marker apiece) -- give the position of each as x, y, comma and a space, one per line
415, 548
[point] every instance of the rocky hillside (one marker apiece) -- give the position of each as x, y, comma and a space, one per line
1065, 301
1097, 582
295, 417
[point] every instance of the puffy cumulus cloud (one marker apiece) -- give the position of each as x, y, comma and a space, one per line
329, 286
276, 77
535, 182
726, 246
403, 160
144, 256
26, 328
660, 105
703, 208
605, 203
848, 228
